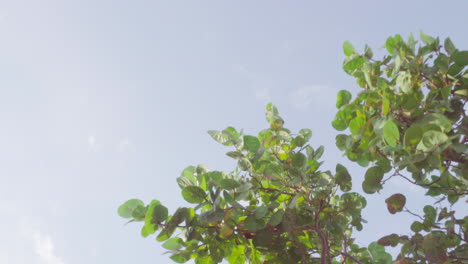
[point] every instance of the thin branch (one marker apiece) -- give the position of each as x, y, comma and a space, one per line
408, 211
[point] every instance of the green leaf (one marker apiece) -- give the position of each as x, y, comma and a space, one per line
187, 177
212, 216
378, 254
226, 231
173, 244
430, 211
227, 137
235, 154
343, 97
218, 136
299, 140
373, 177
348, 48
390, 240
150, 223
180, 257
353, 64
229, 184
413, 136
357, 124
404, 82
449, 47
395, 203
390, 44
127, 208
442, 62
244, 164
438, 120
194, 194
342, 178
253, 224
431, 139
261, 211
368, 52
139, 213
391, 133
306, 133
463, 92
251, 143
425, 38
160, 213
339, 124
343, 142
276, 218
299, 160
461, 58
416, 226
264, 239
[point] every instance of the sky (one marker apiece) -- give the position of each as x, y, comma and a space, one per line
102, 101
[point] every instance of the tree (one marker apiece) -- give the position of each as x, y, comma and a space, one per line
277, 206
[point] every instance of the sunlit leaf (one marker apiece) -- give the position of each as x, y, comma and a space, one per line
348, 48
127, 208
391, 133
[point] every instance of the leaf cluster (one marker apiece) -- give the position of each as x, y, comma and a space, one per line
279, 206
409, 121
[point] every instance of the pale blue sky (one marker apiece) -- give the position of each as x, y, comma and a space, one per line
102, 101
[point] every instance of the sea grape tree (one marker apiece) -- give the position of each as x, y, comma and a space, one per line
409, 121
279, 206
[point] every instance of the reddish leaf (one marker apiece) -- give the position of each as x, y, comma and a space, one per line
395, 203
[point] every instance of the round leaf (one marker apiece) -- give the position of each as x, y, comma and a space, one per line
160, 213
126, 209
193, 194
251, 143
343, 179
431, 139
306, 133
343, 97
395, 203
372, 180
299, 160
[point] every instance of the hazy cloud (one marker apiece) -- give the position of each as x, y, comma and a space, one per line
92, 142
262, 87
125, 145
310, 95
44, 248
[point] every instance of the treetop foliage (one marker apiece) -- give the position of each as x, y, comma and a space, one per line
279, 206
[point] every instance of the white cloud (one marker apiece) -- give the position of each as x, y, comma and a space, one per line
44, 248
92, 142
126, 145
306, 96
261, 86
